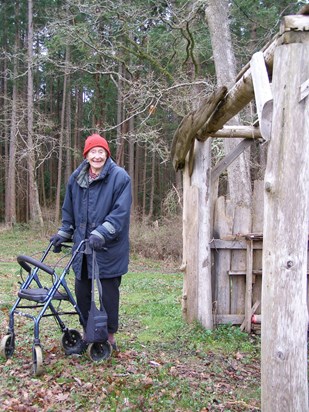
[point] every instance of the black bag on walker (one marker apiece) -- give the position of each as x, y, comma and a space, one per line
96, 328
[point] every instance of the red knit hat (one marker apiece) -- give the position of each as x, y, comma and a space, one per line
95, 140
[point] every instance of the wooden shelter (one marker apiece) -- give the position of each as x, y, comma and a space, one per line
262, 275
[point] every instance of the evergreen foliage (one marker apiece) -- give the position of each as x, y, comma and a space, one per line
130, 67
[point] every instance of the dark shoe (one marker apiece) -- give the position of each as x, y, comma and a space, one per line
80, 348
115, 347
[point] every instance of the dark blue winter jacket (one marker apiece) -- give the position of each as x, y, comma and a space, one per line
101, 207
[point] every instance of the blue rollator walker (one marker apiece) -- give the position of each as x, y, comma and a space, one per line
32, 290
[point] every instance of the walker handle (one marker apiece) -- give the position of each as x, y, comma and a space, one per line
23, 260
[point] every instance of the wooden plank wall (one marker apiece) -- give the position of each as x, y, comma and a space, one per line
229, 260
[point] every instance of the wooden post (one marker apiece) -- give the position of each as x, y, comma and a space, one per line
190, 248
284, 310
201, 179
248, 300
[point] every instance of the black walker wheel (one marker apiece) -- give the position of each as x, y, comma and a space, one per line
99, 351
71, 340
7, 346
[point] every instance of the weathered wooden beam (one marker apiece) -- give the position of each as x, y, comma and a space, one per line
246, 132
233, 244
255, 272
190, 124
232, 319
224, 163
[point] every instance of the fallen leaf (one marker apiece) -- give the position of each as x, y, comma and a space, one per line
154, 363
78, 381
147, 383
62, 397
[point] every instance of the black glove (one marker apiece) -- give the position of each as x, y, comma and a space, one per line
96, 242
57, 240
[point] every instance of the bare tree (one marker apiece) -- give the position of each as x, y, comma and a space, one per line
33, 195
68, 128
10, 194
4, 107
62, 133
152, 184
225, 65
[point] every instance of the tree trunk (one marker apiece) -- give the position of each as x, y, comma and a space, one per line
33, 194
120, 139
77, 143
76, 126
225, 65
4, 106
10, 194
131, 157
137, 176
152, 184
67, 133
144, 206
61, 138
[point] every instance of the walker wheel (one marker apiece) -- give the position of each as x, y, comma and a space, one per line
37, 358
98, 351
70, 340
7, 346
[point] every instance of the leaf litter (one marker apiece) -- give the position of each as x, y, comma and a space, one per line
175, 375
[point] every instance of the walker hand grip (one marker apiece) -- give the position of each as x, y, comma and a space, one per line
24, 260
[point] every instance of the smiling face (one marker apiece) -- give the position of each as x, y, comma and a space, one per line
96, 157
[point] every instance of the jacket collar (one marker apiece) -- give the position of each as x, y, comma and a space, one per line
81, 173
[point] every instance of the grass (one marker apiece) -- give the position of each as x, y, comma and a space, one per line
164, 364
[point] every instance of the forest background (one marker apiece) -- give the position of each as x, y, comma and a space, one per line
128, 70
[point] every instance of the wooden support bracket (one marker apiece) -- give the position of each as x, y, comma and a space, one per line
304, 90
262, 93
253, 309
224, 163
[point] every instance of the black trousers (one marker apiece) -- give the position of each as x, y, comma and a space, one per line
110, 298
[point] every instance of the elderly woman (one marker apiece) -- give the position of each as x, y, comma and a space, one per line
97, 207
